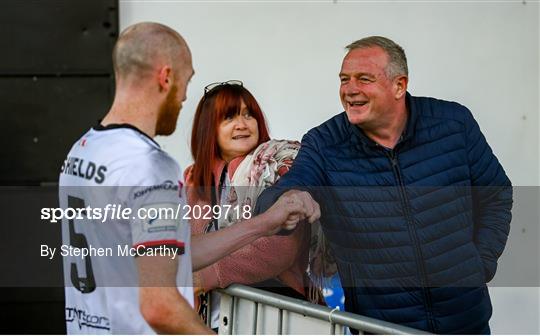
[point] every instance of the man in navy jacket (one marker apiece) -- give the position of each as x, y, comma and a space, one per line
415, 205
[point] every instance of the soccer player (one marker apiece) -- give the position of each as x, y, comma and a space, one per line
117, 162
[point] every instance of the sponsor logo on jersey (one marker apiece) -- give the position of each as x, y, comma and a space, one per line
161, 217
167, 185
86, 169
84, 319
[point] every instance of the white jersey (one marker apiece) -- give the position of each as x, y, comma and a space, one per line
118, 167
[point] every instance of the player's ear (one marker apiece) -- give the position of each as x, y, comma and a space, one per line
165, 78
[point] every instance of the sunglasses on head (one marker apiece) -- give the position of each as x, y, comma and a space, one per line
212, 86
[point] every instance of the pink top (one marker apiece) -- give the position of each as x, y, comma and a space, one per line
282, 257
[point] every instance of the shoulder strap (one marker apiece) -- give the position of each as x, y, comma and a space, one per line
215, 196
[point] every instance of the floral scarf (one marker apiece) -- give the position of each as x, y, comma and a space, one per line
260, 169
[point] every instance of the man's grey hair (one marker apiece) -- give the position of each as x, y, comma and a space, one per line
142, 45
397, 61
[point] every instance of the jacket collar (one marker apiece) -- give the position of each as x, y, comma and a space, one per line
408, 133
412, 117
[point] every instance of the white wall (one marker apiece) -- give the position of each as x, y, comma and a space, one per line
482, 54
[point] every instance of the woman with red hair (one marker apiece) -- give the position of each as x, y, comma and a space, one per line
234, 160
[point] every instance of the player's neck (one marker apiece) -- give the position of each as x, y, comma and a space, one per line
134, 110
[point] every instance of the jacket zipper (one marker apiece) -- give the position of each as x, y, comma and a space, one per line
392, 155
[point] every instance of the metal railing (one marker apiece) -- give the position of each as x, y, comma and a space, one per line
247, 310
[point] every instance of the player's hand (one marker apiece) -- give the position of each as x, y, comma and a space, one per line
312, 211
292, 207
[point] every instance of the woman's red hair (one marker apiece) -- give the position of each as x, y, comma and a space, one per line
223, 100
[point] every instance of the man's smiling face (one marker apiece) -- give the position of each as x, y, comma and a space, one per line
366, 92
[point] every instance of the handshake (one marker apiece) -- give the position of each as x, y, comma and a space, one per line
290, 208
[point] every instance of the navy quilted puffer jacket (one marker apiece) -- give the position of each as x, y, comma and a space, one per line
416, 231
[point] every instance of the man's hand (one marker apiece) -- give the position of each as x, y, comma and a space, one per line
292, 207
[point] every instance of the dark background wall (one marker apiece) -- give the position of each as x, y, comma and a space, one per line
56, 81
